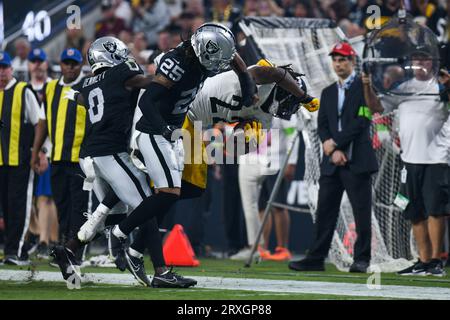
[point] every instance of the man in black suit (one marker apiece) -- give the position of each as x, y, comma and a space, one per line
347, 165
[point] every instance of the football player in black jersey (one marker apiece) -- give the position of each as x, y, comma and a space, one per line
110, 101
164, 104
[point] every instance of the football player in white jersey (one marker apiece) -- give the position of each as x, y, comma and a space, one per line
280, 93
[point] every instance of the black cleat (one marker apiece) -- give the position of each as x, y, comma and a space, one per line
136, 267
15, 261
117, 250
170, 279
67, 263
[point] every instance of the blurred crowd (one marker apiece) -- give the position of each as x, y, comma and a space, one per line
153, 26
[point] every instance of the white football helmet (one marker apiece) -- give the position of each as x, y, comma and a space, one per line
106, 52
214, 46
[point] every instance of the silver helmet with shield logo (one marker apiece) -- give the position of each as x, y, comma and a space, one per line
214, 46
106, 52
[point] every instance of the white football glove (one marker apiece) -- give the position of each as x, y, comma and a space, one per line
71, 94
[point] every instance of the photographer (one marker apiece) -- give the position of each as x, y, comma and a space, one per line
424, 193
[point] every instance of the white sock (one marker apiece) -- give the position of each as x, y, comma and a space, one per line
102, 209
118, 233
135, 253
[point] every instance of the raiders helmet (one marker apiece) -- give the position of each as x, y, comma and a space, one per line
214, 46
106, 52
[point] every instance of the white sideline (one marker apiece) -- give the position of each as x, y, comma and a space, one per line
262, 285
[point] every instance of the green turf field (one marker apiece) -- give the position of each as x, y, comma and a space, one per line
57, 291
208, 268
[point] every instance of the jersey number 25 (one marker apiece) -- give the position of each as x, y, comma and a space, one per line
172, 70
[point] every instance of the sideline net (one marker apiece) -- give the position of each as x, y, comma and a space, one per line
305, 43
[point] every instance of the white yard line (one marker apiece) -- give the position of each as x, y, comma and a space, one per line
261, 285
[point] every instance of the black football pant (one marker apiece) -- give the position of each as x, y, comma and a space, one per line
359, 191
70, 198
201, 206
16, 194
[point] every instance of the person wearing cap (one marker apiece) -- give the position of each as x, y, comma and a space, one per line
44, 222
19, 111
423, 129
38, 68
64, 122
347, 164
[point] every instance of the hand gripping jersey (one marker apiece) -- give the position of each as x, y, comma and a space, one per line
221, 100
110, 110
187, 76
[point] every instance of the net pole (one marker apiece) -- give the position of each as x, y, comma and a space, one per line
271, 199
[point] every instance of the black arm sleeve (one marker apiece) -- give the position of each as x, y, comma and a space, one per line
153, 102
248, 88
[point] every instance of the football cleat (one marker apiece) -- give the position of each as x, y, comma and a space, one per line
15, 261
116, 247
136, 267
95, 222
67, 263
170, 279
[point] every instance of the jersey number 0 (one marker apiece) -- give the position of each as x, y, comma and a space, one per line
96, 105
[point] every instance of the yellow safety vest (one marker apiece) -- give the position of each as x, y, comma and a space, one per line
66, 123
16, 137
